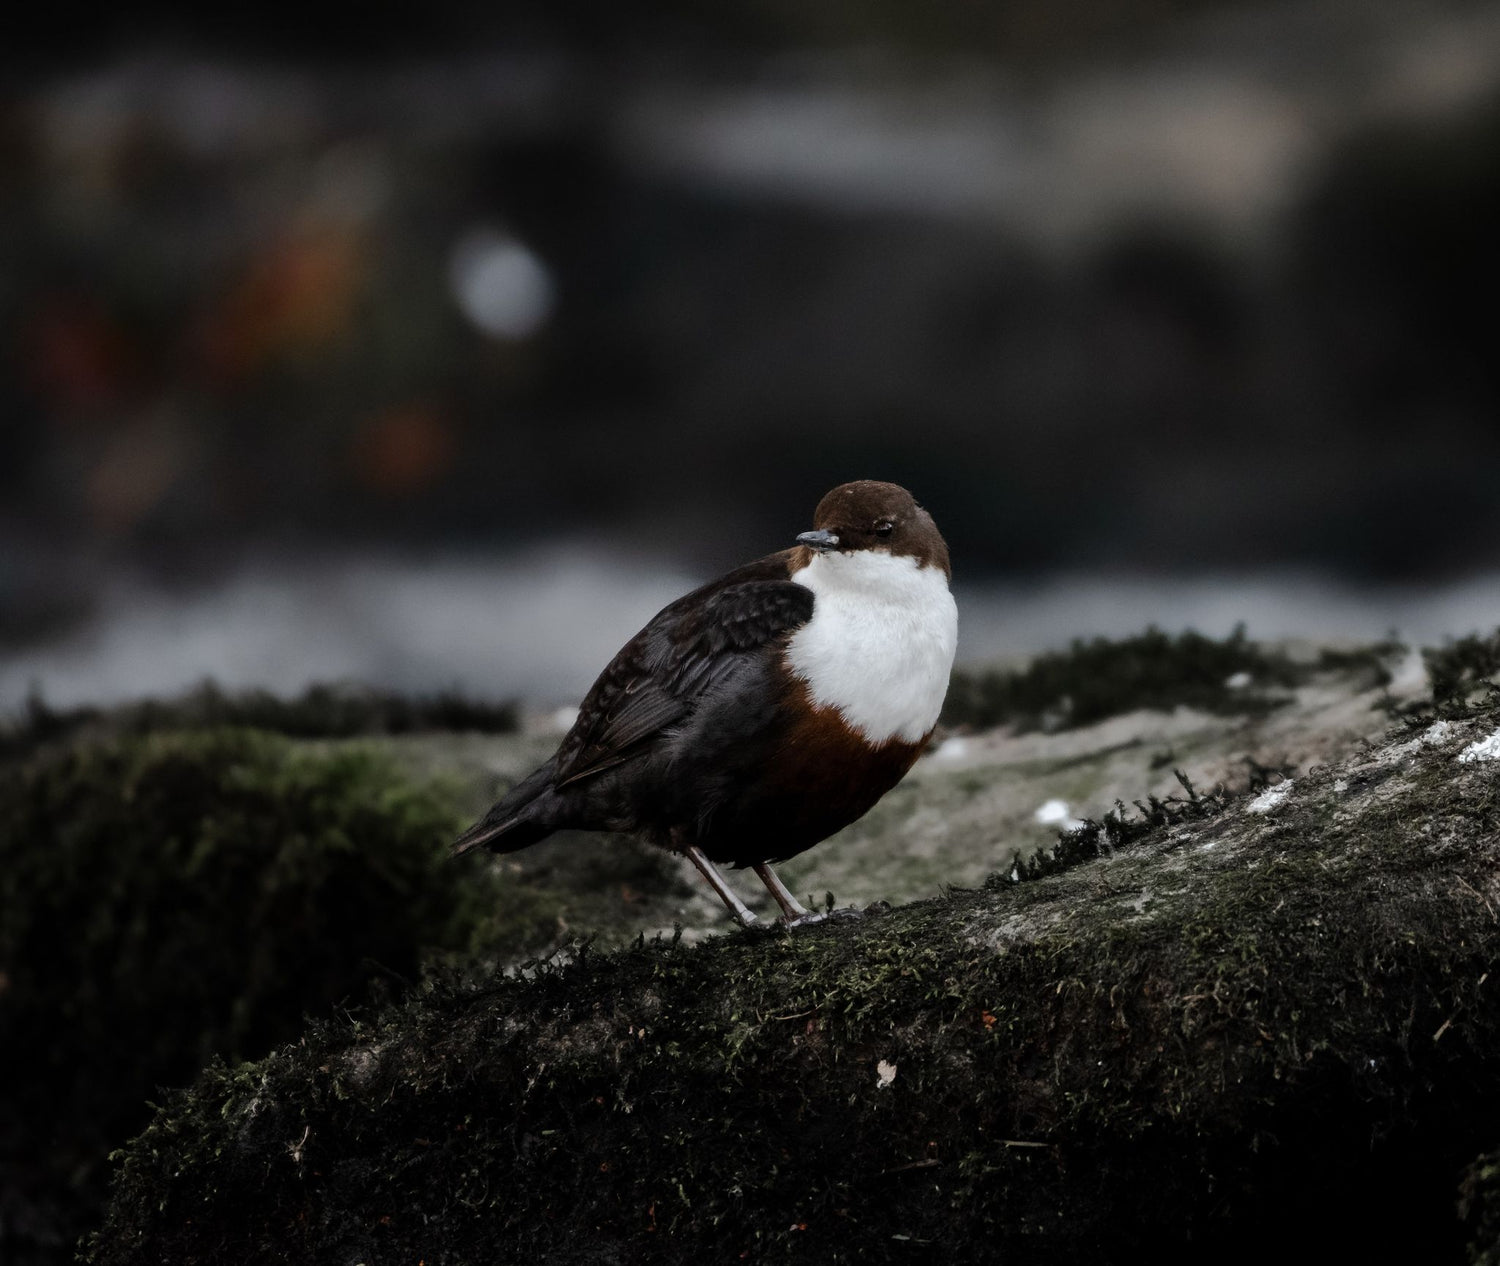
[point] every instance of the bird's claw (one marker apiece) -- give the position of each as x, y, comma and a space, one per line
818, 916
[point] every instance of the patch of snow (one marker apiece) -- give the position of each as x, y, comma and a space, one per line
1437, 732
1270, 798
1340, 785
1484, 749
885, 1074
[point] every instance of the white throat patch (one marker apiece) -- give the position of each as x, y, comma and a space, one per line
879, 647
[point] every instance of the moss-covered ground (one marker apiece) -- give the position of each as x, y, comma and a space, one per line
339, 710
1105, 677
177, 886
1261, 1028
168, 897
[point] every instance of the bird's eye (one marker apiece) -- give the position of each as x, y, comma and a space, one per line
884, 529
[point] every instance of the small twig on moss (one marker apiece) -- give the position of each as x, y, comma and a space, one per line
930, 1163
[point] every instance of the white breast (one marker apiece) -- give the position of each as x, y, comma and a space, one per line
880, 644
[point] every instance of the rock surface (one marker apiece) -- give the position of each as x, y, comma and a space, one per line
966, 811
1250, 1024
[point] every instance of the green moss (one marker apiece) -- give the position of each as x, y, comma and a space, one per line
175, 896
1371, 665
321, 711
1479, 1205
1117, 830
1460, 668
1104, 677
1244, 1035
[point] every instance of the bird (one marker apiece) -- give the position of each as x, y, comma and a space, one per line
764, 711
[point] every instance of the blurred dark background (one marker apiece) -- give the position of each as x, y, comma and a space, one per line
343, 342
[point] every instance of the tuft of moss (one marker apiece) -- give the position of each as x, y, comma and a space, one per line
1104, 677
1460, 669
1479, 1206
177, 896
342, 710
1252, 1035
1372, 664
1119, 829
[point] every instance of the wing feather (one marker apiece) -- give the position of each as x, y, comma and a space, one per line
662, 673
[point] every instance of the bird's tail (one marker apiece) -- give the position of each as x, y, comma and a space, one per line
514, 821
501, 837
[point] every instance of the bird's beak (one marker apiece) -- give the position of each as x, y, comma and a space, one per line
819, 540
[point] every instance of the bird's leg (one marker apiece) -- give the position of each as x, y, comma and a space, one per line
710, 872
794, 913
791, 908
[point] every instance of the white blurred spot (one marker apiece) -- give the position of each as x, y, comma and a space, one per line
885, 1073
1239, 680
954, 748
500, 284
1484, 749
1271, 797
1053, 811
564, 718
1056, 813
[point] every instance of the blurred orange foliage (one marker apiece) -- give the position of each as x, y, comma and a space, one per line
295, 297
404, 450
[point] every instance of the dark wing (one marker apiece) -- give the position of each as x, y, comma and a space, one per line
660, 675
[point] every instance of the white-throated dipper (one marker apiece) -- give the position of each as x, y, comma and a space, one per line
758, 715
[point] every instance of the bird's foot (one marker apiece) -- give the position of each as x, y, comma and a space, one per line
819, 916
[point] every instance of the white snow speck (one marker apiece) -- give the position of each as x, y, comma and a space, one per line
1484, 749
1437, 732
885, 1073
954, 748
1340, 785
1053, 811
1270, 798
1056, 813
1239, 680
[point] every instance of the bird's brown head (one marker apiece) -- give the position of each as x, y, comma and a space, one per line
870, 515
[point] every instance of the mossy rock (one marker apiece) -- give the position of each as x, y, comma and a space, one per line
1104, 677
168, 898
1263, 1029
323, 710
